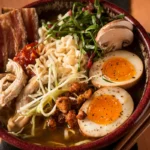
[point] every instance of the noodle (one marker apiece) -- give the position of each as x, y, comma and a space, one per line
62, 54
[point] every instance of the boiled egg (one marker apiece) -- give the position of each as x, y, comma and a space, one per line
119, 68
106, 110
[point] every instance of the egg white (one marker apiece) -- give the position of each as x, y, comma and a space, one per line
102, 81
92, 129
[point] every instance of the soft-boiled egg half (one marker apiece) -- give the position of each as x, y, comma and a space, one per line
107, 109
119, 68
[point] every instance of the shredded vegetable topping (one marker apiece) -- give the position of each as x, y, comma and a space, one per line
55, 69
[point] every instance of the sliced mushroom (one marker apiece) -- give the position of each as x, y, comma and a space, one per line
18, 121
112, 31
14, 89
115, 39
120, 23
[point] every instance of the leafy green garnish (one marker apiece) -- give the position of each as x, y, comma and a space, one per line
82, 21
104, 78
120, 16
99, 8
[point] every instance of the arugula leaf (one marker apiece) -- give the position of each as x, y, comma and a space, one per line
83, 23
98, 8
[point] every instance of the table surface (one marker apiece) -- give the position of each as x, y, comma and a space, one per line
140, 11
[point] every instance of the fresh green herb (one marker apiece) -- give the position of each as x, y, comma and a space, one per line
99, 8
120, 16
81, 22
104, 78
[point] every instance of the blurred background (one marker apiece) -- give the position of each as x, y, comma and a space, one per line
139, 9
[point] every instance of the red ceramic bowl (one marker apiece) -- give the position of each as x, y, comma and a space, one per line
141, 95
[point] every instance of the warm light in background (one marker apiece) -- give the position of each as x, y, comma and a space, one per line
141, 11
14, 3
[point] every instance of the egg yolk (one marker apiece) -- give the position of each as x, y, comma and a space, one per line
118, 69
104, 109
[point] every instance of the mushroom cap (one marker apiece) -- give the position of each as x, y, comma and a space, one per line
120, 23
114, 39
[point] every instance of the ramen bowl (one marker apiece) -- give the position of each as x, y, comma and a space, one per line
141, 92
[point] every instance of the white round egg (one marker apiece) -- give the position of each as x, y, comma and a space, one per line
106, 110
119, 68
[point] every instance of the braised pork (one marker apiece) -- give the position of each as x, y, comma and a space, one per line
83, 97
30, 20
52, 123
12, 37
81, 115
18, 28
3, 46
71, 119
63, 104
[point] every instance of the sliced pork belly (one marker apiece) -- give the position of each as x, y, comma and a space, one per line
3, 46
15, 88
18, 121
8, 37
30, 19
12, 37
18, 27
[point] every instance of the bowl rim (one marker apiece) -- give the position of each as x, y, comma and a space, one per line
137, 114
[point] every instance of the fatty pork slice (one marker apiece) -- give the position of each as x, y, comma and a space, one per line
19, 29
3, 46
16, 86
30, 19
13, 36
18, 121
31, 23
